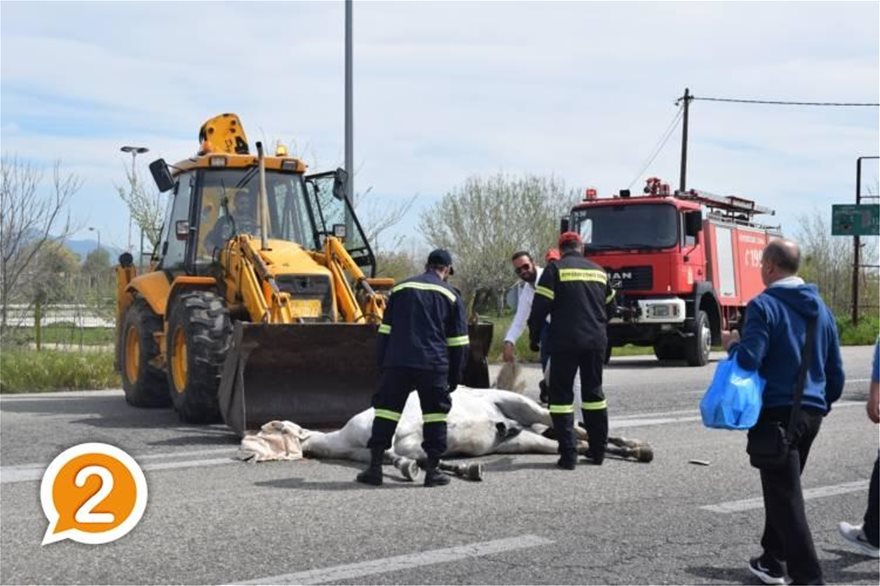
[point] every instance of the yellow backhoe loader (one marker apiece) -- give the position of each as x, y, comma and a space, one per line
260, 302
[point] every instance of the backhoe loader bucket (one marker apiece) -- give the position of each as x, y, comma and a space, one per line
317, 375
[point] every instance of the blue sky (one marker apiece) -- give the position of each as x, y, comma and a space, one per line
444, 90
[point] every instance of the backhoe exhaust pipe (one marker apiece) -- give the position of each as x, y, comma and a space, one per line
264, 200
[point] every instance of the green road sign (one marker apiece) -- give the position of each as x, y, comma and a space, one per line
855, 220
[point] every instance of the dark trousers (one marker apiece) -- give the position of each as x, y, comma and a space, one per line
545, 346
563, 368
787, 535
871, 525
394, 389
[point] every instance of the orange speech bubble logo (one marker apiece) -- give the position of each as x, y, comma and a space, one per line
92, 493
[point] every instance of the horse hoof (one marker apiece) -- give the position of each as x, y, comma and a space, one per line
475, 472
411, 470
645, 453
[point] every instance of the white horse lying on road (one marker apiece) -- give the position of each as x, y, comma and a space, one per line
481, 421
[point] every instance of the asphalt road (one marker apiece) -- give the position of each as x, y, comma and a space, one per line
212, 519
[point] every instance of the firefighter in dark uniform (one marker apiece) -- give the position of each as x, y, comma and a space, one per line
575, 292
423, 341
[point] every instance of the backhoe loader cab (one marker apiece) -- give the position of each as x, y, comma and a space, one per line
262, 285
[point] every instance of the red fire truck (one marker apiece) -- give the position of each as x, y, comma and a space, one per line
684, 264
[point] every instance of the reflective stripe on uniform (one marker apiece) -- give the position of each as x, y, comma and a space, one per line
548, 293
561, 409
610, 297
388, 414
434, 418
385, 329
595, 405
426, 287
457, 341
592, 275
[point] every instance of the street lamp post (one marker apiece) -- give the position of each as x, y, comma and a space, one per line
93, 229
135, 151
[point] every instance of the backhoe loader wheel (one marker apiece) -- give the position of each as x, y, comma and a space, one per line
199, 335
144, 383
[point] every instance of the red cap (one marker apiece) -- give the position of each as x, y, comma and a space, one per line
552, 254
569, 237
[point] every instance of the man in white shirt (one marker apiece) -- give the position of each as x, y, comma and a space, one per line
526, 269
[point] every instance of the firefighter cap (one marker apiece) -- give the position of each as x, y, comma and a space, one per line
442, 258
566, 237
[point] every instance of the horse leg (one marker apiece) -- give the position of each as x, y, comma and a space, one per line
527, 442
408, 467
466, 470
635, 449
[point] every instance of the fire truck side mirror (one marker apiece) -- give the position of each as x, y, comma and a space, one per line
563, 225
693, 223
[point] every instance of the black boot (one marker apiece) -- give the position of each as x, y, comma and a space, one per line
567, 460
373, 474
596, 423
433, 475
563, 425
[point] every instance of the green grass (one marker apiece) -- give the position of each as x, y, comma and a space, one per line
863, 334
28, 371
64, 333
52, 370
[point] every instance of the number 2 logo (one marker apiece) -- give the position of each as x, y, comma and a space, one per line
92, 493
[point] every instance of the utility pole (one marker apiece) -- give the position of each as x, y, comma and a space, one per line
857, 244
682, 178
349, 110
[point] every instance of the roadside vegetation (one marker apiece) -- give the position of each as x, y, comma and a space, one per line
27, 371
481, 221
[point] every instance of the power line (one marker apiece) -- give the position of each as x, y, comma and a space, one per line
659, 146
784, 103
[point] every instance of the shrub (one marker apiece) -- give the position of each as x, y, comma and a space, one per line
27, 371
862, 334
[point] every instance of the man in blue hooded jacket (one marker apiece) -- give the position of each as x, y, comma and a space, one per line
772, 341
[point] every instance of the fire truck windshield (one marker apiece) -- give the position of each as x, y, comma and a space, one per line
626, 226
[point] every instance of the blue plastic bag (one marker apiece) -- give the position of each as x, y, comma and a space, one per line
733, 399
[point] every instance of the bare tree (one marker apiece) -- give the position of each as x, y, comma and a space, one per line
828, 262
144, 205
485, 220
377, 218
29, 220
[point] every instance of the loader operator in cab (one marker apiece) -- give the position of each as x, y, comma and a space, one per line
245, 213
238, 216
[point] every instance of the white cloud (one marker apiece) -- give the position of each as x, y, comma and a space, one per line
444, 90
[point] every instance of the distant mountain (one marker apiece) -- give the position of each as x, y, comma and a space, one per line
83, 247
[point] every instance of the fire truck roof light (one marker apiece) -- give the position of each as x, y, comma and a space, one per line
590, 194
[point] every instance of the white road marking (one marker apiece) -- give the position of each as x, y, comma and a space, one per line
809, 493
686, 416
26, 472
403, 562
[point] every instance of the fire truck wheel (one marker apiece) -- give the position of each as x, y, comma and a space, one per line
697, 347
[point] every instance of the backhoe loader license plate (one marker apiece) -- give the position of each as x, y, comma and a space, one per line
306, 307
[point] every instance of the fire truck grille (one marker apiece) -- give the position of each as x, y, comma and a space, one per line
631, 278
